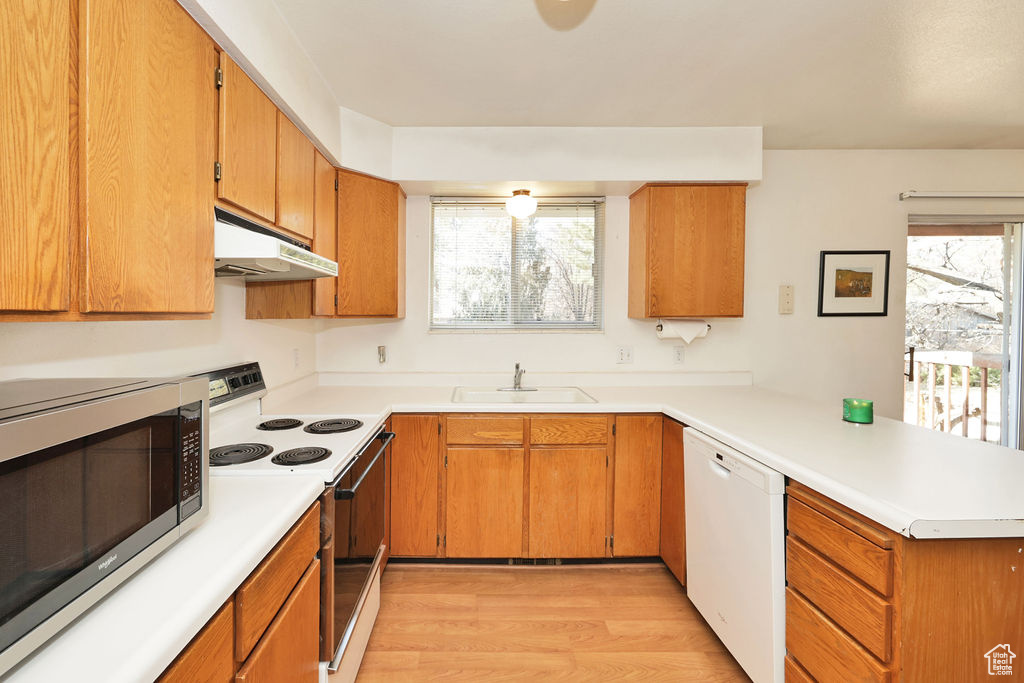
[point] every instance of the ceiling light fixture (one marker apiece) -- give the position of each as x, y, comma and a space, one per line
521, 204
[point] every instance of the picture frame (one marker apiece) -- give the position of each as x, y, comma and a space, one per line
853, 283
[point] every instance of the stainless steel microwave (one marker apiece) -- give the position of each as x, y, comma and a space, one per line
97, 477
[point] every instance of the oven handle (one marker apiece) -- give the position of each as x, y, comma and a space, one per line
349, 494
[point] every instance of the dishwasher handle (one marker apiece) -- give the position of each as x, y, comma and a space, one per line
719, 469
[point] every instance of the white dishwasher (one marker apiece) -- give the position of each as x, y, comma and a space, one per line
735, 552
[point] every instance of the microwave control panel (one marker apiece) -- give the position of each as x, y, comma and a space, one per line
191, 475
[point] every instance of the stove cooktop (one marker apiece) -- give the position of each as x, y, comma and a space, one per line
282, 444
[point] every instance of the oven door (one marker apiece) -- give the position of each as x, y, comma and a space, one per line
359, 516
84, 492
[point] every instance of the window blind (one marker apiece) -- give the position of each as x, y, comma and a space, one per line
492, 271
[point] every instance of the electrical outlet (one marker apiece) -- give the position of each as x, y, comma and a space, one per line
624, 354
296, 358
785, 299
677, 354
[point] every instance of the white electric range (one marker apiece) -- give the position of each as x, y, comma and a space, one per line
348, 454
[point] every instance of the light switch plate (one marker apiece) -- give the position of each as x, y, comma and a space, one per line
624, 354
785, 299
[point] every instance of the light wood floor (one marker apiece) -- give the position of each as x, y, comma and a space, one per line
571, 623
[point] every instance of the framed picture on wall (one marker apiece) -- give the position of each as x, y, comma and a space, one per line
853, 283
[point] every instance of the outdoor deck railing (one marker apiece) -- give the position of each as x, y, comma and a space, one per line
939, 406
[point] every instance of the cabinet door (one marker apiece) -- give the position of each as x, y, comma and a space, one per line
209, 658
687, 251
248, 150
568, 502
673, 513
371, 247
148, 108
484, 502
35, 163
414, 485
636, 514
294, 178
325, 231
289, 650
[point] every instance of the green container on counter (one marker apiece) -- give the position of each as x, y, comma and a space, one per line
859, 410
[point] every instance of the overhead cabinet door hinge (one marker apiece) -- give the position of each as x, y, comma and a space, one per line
335, 184
216, 171
218, 78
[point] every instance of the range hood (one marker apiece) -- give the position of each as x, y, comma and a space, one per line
242, 248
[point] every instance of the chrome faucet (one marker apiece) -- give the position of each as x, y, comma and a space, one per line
517, 382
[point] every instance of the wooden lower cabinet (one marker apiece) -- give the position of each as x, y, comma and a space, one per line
865, 603
484, 502
415, 453
260, 596
568, 501
269, 630
209, 658
543, 486
673, 511
636, 518
289, 651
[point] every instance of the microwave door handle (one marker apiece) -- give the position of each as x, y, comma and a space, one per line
349, 494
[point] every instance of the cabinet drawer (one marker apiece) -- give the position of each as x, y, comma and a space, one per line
854, 553
556, 431
261, 595
209, 658
288, 653
861, 613
824, 650
471, 431
796, 673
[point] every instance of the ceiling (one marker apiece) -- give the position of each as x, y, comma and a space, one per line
814, 74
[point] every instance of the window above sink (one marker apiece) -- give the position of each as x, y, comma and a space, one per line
491, 271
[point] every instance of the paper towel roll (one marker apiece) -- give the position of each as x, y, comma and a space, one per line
687, 330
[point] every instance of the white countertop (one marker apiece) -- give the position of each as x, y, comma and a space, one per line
910, 479
136, 631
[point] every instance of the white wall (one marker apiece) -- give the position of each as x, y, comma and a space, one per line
576, 154
159, 348
808, 201
366, 143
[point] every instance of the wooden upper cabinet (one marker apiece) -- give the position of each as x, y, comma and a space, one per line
248, 149
35, 164
325, 230
295, 178
686, 251
371, 247
636, 518
148, 106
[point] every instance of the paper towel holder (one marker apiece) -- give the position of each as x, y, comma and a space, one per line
660, 328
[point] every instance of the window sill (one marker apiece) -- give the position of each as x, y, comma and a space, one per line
503, 330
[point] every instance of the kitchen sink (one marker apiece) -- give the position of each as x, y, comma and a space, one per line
538, 395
